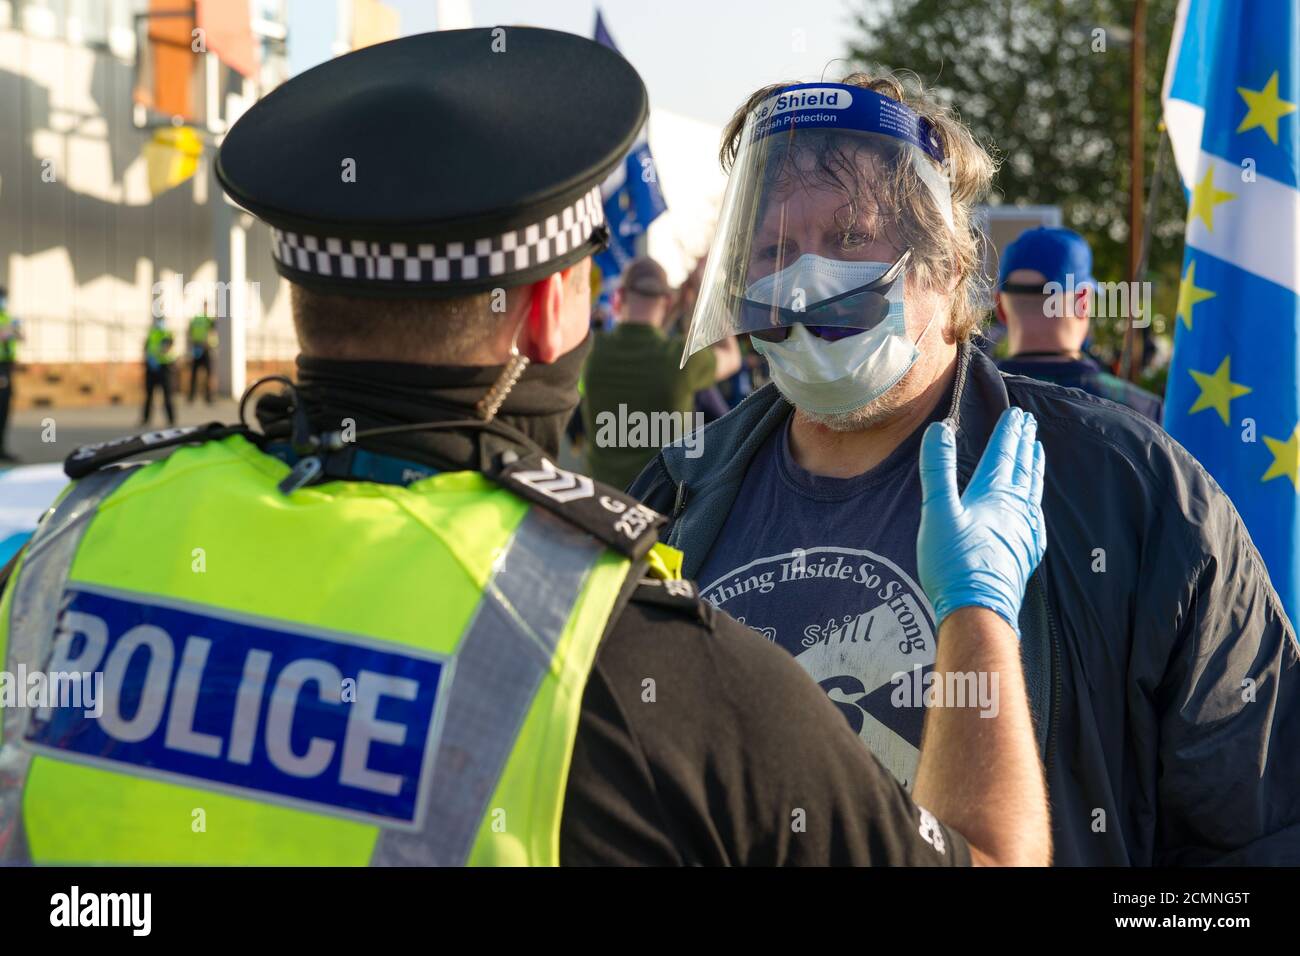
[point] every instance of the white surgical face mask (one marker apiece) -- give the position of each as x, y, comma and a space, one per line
831, 378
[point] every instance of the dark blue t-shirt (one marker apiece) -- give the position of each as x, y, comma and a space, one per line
826, 567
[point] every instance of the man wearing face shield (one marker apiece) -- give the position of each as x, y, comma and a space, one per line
845, 251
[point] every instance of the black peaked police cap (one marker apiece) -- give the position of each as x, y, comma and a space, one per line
440, 164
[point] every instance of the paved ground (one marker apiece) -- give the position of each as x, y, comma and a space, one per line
73, 427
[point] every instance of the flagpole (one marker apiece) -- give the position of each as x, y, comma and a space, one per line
1131, 358
1153, 199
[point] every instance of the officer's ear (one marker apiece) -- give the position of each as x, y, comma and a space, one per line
545, 322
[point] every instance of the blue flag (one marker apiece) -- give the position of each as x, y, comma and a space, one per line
632, 195
1231, 97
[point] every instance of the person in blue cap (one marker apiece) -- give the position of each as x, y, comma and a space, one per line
1045, 299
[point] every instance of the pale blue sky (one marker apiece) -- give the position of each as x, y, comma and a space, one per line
700, 58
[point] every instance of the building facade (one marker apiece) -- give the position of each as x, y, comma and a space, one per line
89, 252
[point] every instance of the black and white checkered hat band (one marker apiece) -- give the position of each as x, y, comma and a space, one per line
424, 263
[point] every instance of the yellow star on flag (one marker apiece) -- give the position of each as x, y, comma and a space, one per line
1265, 108
1217, 390
1205, 197
1286, 458
1189, 295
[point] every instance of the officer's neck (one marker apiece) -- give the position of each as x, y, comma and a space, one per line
379, 394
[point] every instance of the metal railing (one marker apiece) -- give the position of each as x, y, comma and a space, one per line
49, 338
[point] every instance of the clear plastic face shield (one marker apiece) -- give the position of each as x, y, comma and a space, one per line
829, 187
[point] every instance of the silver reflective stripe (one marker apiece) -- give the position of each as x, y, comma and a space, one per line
33, 615
499, 665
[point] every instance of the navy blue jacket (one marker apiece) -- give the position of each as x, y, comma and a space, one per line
1163, 675
1086, 374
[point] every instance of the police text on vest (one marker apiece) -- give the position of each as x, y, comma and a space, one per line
211, 698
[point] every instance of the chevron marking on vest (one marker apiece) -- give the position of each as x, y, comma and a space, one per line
556, 483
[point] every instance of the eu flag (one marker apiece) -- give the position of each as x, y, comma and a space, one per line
1231, 94
632, 195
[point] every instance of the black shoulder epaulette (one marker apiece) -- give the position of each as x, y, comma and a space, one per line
614, 518
90, 458
680, 596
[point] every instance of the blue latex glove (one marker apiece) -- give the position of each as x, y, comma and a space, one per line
980, 548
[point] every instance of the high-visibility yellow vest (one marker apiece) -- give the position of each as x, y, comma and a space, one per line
8, 346
351, 673
201, 330
153, 346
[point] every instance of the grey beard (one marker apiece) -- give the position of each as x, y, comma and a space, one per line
869, 415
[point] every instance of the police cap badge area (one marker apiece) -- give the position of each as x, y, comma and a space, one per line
441, 164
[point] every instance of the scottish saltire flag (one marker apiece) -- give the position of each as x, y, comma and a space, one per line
632, 196
1232, 108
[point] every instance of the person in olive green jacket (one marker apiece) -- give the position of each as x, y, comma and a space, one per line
636, 399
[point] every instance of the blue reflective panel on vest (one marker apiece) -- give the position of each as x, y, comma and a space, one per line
271, 711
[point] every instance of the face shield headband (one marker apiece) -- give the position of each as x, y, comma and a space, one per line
807, 154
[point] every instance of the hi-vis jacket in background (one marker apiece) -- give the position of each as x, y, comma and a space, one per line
8, 343
350, 673
157, 347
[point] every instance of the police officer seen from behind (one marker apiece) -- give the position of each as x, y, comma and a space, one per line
385, 628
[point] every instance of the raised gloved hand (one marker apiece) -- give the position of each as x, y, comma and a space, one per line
979, 548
